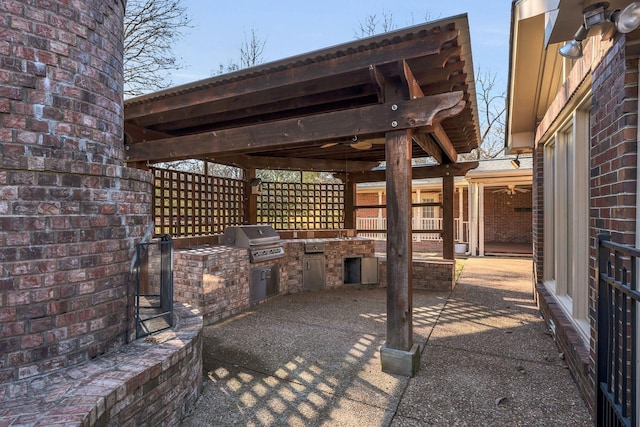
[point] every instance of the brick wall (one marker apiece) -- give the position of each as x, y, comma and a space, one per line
70, 213
507, 218
364, 199
213, 278
614, 118
613, 68
150, 382
537, 217
432, 275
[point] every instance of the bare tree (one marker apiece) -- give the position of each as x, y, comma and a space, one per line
251, 51
491, 114
151, 27
372, 25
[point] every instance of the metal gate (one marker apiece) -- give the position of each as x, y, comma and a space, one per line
617, 327
154, 286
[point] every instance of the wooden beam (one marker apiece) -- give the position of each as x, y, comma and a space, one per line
423, 172
350, 195
287, 163
135, 133
457, 82
429, 146
339, 124
264, 105
438, 74
447, 217
251, 200
378, 81
399, 242
445, 143
410, 81
414, 205
209, 90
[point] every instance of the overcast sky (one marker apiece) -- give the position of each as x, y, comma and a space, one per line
294, 27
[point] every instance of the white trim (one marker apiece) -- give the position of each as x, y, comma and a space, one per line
473, 218
560, 213
566, 305
549, 255
580, 223
460, 214
566, 217
481, 219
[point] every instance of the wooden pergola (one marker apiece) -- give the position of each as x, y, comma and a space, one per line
393, 97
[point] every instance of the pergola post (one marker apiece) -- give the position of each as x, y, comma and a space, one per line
447, 215
250, 199
349, 203
399, 355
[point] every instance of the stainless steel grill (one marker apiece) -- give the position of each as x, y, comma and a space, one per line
262, 241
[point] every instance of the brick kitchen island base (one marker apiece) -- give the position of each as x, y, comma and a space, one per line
215, 278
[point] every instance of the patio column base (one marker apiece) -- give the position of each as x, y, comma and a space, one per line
399, 362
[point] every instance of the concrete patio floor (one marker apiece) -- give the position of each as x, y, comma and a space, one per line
313, 359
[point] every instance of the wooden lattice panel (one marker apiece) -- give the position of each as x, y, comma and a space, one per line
301, 206
190, 204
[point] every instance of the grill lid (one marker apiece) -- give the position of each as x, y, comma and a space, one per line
246, 236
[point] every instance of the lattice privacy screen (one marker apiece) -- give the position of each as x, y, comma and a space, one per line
189, 204
301, 206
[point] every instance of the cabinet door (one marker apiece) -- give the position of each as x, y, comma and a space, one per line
257, 285
313, 273
369, 272
272, 278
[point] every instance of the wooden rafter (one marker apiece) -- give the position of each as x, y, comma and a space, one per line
288, 163
410, 81
429, 146
378, 81
444, 142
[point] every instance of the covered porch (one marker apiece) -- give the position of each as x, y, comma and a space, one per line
343, 110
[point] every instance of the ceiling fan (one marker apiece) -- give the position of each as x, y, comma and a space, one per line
511, 190
356, 143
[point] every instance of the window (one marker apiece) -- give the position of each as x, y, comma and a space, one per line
566, 217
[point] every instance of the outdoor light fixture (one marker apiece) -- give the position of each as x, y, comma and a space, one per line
573, 48
256, 186
626, 20
629, 19
515, 162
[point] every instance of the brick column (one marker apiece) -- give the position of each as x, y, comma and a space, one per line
70, 212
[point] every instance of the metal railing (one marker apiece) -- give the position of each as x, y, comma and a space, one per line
154, 286
617, 328
372, 225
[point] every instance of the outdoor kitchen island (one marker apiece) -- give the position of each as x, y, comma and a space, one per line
216, 277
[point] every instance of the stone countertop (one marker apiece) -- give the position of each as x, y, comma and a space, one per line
327, 240
213, 249
208, 249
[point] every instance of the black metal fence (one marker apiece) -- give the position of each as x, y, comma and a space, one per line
617, 327
154, 286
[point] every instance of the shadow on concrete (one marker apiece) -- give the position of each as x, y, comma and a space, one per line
313, 359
